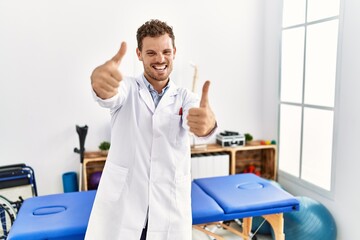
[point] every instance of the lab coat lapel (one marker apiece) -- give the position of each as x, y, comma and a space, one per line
145, 94
168, 98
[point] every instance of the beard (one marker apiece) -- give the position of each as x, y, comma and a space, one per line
158, 76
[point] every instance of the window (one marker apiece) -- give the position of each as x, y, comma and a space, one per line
307, 90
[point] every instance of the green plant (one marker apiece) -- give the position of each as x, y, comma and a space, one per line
104, 146
248, 137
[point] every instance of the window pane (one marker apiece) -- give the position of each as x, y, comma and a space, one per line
320, 71
290, 135
292, 58
293, 12
317, 147
318, 9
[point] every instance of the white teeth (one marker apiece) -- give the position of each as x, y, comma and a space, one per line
160, 67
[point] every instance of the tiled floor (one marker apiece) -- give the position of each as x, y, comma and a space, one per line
197, 235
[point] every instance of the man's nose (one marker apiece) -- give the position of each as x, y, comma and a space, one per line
160, 57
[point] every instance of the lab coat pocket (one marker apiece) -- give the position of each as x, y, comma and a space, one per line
112, 181
174, 128
183, 196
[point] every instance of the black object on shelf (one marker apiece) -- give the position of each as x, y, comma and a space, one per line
82, 132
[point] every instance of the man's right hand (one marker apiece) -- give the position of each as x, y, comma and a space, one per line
105, 79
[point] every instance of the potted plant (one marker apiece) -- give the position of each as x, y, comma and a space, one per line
104, 147
248, 138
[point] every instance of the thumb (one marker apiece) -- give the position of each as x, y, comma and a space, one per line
204, 101
120, 54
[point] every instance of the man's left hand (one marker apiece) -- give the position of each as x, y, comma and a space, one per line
201, 120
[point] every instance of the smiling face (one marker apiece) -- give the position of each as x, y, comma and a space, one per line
157, 55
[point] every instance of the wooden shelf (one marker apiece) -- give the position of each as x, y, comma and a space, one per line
93, 162
262, 157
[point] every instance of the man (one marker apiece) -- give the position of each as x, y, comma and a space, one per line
145, 189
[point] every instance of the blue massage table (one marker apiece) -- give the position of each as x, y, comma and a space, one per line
58, 216
240, 196
214, 200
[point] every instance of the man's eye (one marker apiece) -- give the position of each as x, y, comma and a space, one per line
150, 53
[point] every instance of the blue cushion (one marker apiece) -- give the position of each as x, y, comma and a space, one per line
57, 216
65, 216
204, 208
243, 193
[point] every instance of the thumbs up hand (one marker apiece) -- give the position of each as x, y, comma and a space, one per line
201, 120
105, 79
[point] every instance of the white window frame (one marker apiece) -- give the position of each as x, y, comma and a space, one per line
289, 177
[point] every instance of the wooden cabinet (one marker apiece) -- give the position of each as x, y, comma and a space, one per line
260, 158
93, 162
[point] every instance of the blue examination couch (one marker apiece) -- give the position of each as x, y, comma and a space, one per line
214, 200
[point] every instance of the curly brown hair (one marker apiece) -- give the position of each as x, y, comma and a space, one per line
154, 28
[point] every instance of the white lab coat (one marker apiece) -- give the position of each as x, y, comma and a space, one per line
148, 167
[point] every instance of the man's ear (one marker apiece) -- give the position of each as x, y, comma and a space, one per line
174, 52
138, 53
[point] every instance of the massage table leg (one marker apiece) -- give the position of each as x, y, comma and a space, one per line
246, 226
242, 234
201, 228
275, 220
277, 223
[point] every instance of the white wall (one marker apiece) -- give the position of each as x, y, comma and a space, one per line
49, 48
344, 205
